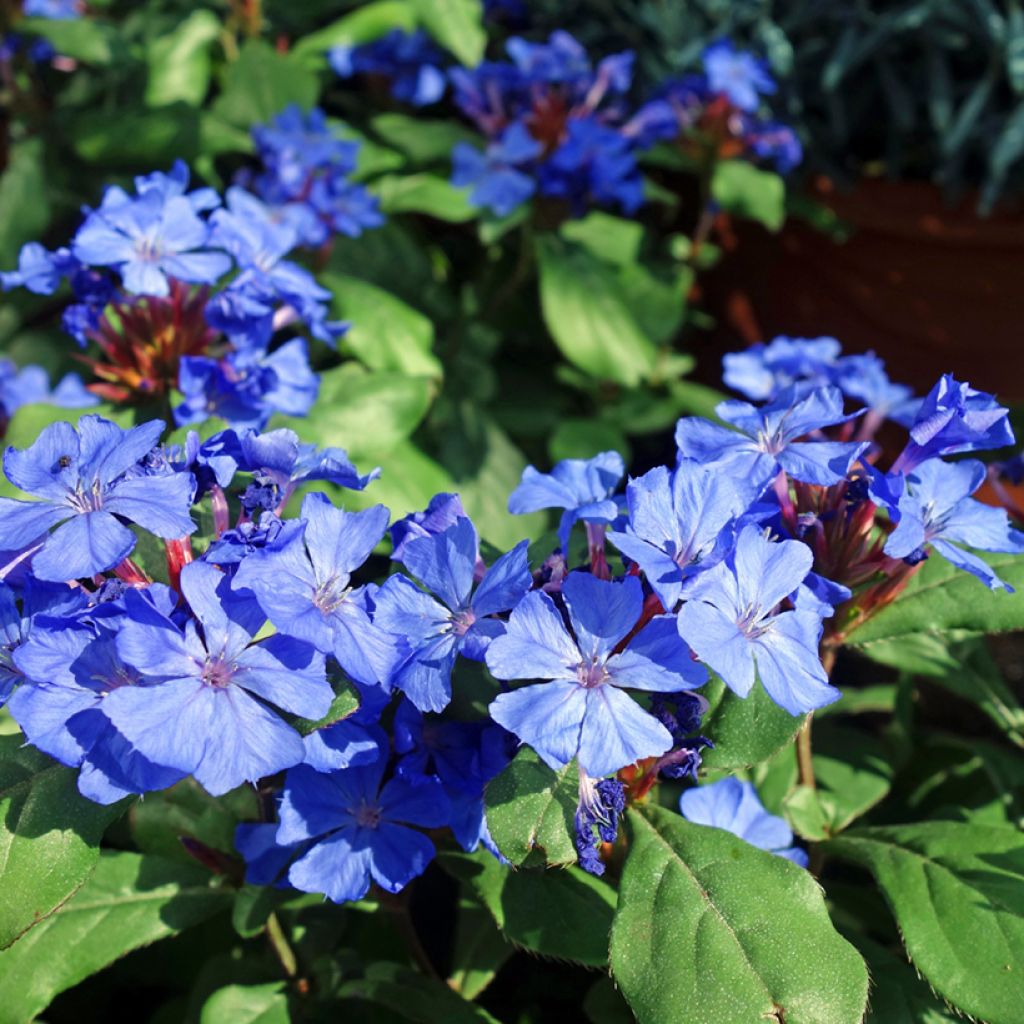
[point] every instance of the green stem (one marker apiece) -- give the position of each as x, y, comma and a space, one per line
282, 950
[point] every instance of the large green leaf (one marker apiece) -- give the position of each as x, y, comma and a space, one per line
741, 188
49, 842
587, 313
941, 598
957, 892
422, 140
898, 995
261, 83
479, 952
457, 25
419, 1000
365, 412
179, 62
711, 929
130, 901
423, 193
531, 807
135, 137
363, 25
84, 39
563, 913
386, 333
744, 730
247, 1004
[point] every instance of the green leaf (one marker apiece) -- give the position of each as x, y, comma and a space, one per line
941, 598
247, 1004
345, 703
261, 83
24, 198
745, 730
853, 774
360, 26
186, 810
419, 999
130, 901
612, 239
49, 843
898, 996
531, 807
747, 191
179, 62
136, 137
252, 907
84, 39
480, 950
365, 411
457, 25
423, 140
879, 698
423, 193
583, 439
957, 892
563, 913
587, 314
711, 929
386, 333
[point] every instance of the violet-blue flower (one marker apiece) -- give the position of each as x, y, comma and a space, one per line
936, 509
734, 623
358, 830
765, 439
734, 806
82, 478
582, 712
583, 487
740, 76
207, 712
304, 586
677, 524
411, 60
433, 632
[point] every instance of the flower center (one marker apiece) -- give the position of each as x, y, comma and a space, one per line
330, 595
218, 673
368, 815
461, 621
591, 674
751, 625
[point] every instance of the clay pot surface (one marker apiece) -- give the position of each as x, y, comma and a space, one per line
929, 287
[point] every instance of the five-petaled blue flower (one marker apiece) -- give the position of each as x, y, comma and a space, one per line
207, 711
734, 622
740, 76
83, 480
358, 829
936, 509
430, 632
582, 711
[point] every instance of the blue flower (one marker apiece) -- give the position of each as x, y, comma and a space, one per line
31, 384
72, 670
582, 712
410, 59
83, 480
936, 509
733, 622
762, 372
246, 388
677, 524
444, 510
56, 10
497, 175
39, 270
738, 75
434, 632
734, 806
954, 417
207, 711
304, 586
765, 440
148, 239
358, 829
583, 487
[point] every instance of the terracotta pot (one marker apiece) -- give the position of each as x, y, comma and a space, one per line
930, 287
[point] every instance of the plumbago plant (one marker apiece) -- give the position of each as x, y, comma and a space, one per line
390, 754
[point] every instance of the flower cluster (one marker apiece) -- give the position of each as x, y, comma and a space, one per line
719, 110
272, 646
555, 125
411, 62
182, 292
